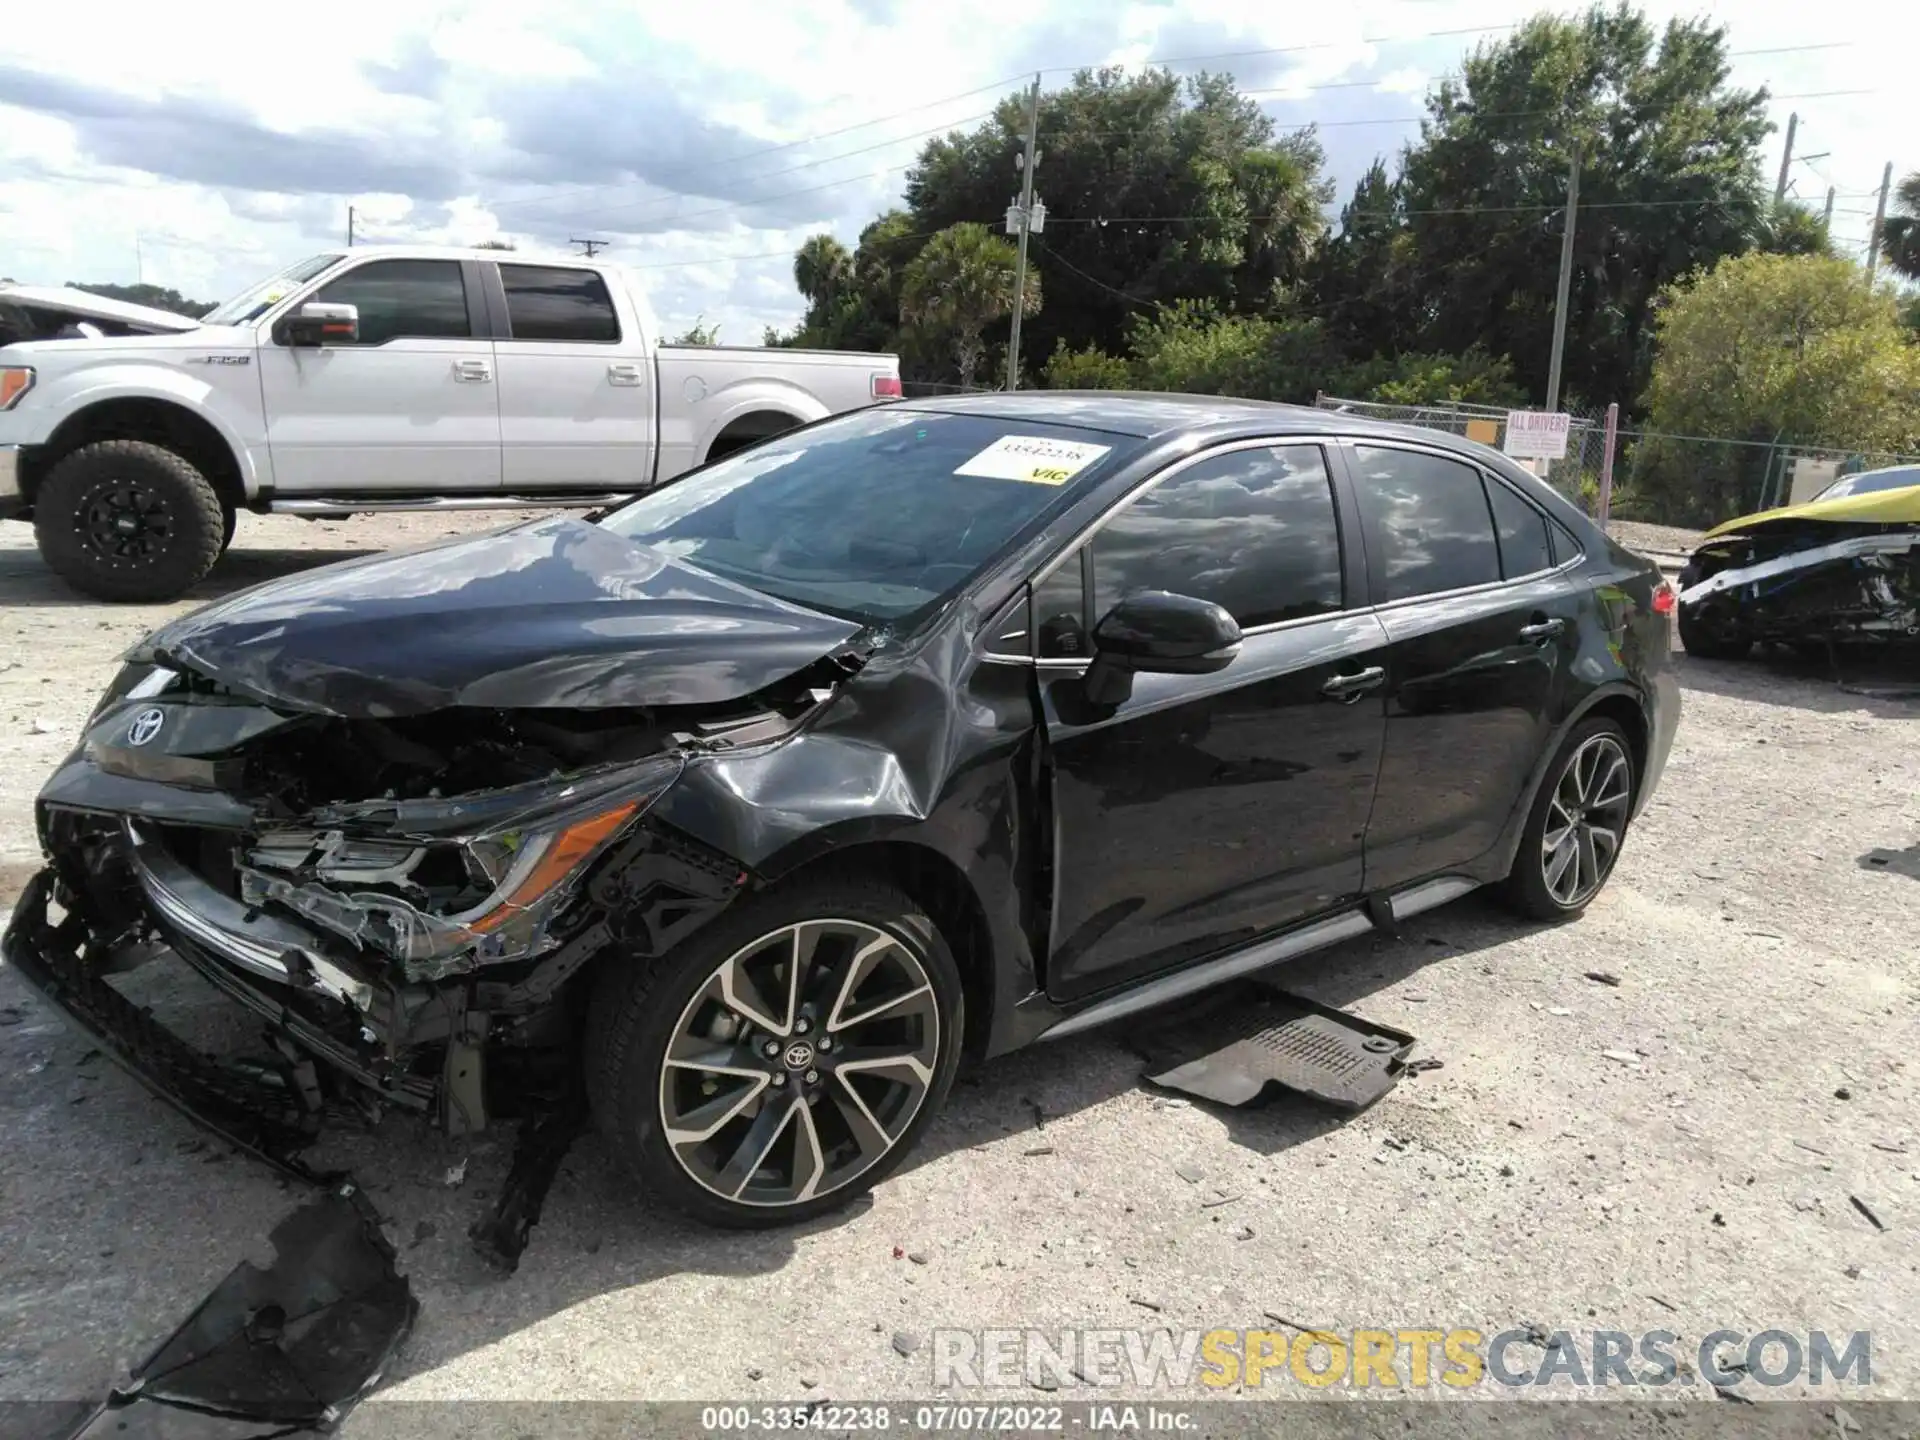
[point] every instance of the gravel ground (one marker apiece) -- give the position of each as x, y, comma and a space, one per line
1688, 1150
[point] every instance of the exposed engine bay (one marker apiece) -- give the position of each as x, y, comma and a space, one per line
403, 901
1802, 582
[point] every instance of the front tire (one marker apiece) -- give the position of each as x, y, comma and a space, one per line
128, 521
782, 1062
1577, 826
1701, 637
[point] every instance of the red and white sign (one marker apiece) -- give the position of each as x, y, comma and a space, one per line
1537, 434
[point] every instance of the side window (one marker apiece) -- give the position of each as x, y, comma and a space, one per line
553, 302
1059, 613
1253, 530
1565, 547
1524, 548
1429, 517
404, 299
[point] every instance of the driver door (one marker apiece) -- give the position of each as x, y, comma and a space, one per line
1206, 810
409, 407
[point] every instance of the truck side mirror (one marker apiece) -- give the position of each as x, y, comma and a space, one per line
319, 323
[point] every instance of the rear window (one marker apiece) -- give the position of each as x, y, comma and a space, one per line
876, 516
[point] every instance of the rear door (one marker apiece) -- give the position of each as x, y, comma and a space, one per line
1208, 809
410, 406
576, 382
1482, 625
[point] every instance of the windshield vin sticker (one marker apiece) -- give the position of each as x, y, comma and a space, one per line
1033, 458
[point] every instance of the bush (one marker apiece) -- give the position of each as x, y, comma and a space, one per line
1088, 369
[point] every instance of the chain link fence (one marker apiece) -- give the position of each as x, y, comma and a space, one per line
1685, 480
1577, 476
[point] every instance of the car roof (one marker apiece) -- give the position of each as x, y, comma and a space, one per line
1155, 414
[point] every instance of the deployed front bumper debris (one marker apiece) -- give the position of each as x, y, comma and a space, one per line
277, 1351
271, 1113
1240, 1046
1799, 582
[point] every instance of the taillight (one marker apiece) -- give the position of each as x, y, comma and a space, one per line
1663, 599
886, 387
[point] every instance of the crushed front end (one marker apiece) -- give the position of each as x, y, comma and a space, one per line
1800, 582
400, 903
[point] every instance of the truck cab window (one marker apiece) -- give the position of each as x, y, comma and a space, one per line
404, 299
555, 302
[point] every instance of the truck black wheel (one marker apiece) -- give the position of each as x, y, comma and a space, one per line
125, 520
782, 1061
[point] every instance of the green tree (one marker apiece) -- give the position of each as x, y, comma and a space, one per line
1900, 231
1670, 181
698, 333
1156, 188
1778, 350
821, 269
958, 285
1361, 279
154, 296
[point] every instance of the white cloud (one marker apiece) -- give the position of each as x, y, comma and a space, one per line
198, 146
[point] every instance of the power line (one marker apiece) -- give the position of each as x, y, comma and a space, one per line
810, 164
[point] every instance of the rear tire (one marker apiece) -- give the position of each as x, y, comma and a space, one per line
127, 521
778, 1132
1565, 859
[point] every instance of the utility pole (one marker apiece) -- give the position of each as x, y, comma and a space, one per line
1786, 159
1566, 281
349, 227
1879, 219
1826, 220
1022, 215
591, 247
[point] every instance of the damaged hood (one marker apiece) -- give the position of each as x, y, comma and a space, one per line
556, 613
1879, 507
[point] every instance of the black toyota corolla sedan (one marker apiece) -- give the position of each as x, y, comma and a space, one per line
934, 729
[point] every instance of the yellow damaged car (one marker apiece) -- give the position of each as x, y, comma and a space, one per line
1844, 565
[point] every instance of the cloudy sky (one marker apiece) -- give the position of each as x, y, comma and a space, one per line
203, 144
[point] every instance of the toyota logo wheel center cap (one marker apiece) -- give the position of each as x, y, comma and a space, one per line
145, 726
799, 1055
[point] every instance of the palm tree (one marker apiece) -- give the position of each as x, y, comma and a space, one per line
962, 282
1900, 231
821, 267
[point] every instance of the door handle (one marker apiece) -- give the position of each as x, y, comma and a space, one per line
1542, 629
621, 374
475, 371
1348, 688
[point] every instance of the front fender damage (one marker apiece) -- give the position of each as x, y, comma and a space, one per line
405, 940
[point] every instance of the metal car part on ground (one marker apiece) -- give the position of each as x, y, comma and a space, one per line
584, 813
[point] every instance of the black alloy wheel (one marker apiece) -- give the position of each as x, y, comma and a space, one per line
783, 1062
127, 520
1577, 826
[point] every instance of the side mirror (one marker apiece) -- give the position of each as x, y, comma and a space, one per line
1157, 633
319, 323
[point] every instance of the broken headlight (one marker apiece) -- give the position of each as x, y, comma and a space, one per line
438, 904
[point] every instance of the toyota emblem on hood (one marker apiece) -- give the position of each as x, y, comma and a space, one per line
145, 726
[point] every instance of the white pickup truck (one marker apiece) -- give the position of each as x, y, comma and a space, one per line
377, 378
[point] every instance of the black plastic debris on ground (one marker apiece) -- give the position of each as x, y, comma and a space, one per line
1258, 1037
500, 1237
280, 1351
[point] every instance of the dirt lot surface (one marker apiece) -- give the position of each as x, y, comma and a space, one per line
1715, 1142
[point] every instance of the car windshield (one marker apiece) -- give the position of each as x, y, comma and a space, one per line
875, 516
1871, 482
256, 300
